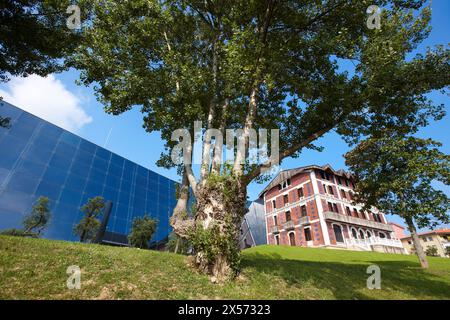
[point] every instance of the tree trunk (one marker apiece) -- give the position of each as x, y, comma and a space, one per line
176, 245
220, 209
417, 246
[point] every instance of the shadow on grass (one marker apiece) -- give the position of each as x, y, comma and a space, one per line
405, 279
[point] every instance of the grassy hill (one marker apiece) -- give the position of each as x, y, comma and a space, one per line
36, 269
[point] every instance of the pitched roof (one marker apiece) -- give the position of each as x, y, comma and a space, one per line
286, 174
398, 225
443, 231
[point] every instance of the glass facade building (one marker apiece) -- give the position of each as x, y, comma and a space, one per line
38, 158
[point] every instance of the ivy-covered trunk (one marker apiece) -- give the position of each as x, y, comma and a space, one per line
215, 236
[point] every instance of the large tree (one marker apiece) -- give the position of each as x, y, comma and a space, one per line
398, 175
256, 64
88, 226
34, 37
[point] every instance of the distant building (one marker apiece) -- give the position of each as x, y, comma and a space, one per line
438, 238
253, 227
399, 230
312, 206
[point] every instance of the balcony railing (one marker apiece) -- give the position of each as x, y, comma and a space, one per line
367, 243
303, 220
288, 225
352, 220
274, 229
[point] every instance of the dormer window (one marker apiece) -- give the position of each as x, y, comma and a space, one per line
284, 184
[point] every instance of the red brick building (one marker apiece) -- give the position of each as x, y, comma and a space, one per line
312, 206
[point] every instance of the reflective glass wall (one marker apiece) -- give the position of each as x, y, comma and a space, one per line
38, 158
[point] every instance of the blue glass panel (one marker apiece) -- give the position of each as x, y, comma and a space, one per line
65, 149
55, 175
48, 189
23, 182
103, 154
115, 170
70, 139
100, 164
65, 212
32, 168
83, 157
117, 160
24, 127
71, 197
80, 169
9, 111
93, 189
124, 197
110, 194
75, 182
50, 132
126, 185
4, 173
61, 161
11, 149
97, 176
10, 219
88, 147
39, 152
112, 182
15, 201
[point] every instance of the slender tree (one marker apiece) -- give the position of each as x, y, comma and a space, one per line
38, 218
89, 224
142, 231
251, 65
35, 222
397, 175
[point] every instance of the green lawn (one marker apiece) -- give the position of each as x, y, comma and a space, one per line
36, 269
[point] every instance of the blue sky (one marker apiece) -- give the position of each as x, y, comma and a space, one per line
127, 137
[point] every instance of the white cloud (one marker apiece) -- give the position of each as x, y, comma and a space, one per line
48, 99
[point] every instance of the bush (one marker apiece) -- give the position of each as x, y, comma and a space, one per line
142, 231
431, 251
18, 233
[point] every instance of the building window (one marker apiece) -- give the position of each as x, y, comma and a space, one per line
292, 239
346, 182
307, 233
288, 216
285, 199
369, 234
274, 204
288, 182
330, 189
330, 206
343, 194
354, 234
303, 211
338, 233
300, 193
335, 208
275, 220
279, 187
348, 211
361, 234
277, 240
381, 235
322, 175
409, 242
355, 213
339, 180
